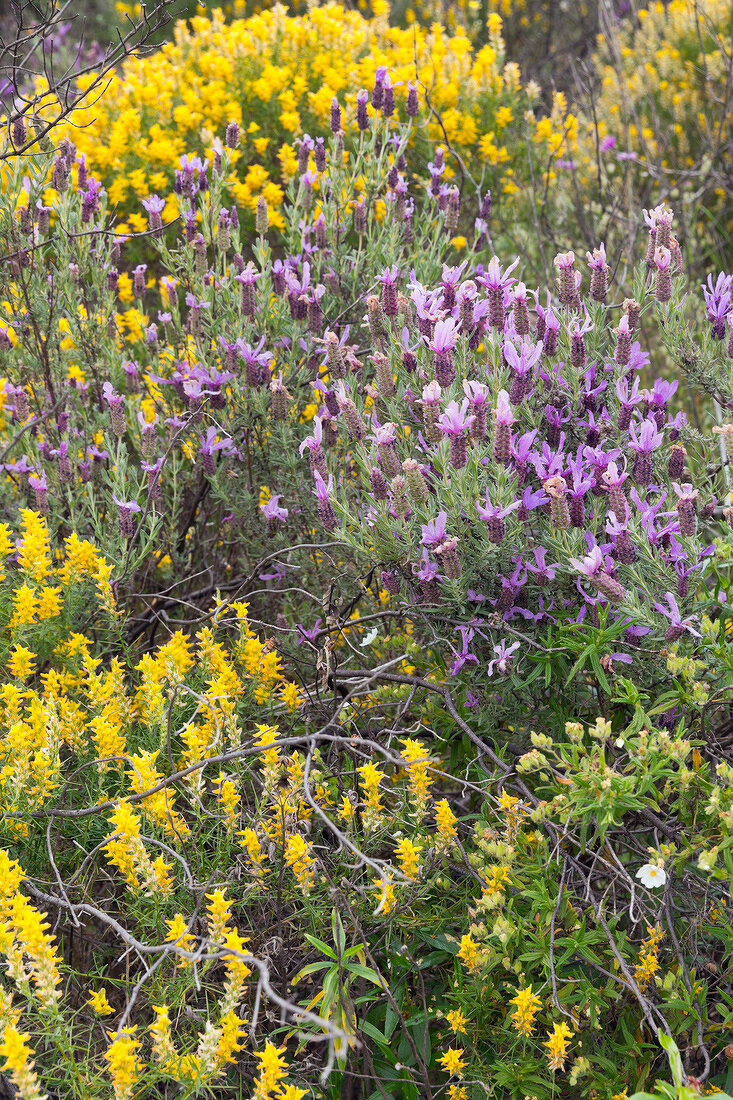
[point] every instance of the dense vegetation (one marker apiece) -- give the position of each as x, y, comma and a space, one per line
365, 549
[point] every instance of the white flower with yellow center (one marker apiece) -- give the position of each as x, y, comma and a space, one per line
651, 875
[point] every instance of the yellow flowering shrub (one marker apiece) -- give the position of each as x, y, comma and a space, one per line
275, 75
666, 100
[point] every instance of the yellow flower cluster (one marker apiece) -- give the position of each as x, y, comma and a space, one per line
299, 858
371, 778
557, 1045
275, 75
527, 1005
126, 851
418, 767
649, 957
18, 1061
270, 1081
123, 1063
36, 598
662, 79
31, 957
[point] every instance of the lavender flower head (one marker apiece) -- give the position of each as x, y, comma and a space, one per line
495, 517
273, 513
455, 424
127, 508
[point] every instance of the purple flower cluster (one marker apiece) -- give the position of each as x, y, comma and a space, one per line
530, 461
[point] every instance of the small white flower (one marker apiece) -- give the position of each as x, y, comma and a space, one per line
651, 875
369, 638
620, 742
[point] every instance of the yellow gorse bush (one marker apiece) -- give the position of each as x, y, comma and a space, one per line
275, 75
667, 101
662, 78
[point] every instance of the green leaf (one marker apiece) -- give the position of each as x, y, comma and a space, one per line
391, 1019
374, 1033
675, 1059
339, 936
600, 674
579, 663
321, 946
365, 972
311, 968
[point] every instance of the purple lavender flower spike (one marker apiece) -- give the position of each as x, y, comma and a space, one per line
686, 497
497, 283
613, 479
322, 492
313, 444
152, 469
719, 302
661, 395
623, 546
39, 485
495, 517
465, 656
385, 436
273, 513
210, 446
443, 342
531, 499
155, 206
455, 424
116, 405
628, 399
643, 443
543, 573
388, 279
478, 397
677, 625
127, 509
434, 531
578, 333
599, 273
501, 663
503, 420
427, 573
593, 566
522, 362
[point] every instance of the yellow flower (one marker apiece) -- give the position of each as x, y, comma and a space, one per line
98, 1000
371, 777
385, 896
457, 1092
528, 1005
557, 1045
219, 914
457, 1020
445, 819
179, 935
251, 843
408, 857
649, 957
164, 1051
291, 696
25, 607
124, 1067
34, 552
468, 953
17, 1054
21, 663
453, 1062
299, 858
417, 761
273, 1070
